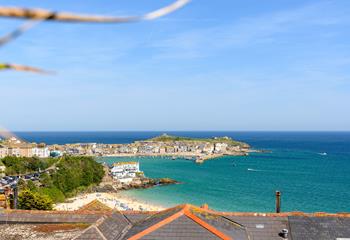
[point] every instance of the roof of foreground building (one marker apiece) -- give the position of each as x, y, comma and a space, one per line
185, 221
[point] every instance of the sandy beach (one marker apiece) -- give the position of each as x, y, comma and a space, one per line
113, 200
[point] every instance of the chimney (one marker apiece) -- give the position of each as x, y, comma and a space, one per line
205, 206
278, 201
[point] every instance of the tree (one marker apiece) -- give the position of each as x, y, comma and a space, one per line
45, 180
31, 186
29, 200
75, 172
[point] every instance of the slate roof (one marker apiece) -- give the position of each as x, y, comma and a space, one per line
135, 217
262, 227
319, 228
107, 228
191, 223
186, 222
25, 216
90, 233
181, 228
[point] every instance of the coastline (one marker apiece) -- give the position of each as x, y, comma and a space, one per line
113, 200
195, 157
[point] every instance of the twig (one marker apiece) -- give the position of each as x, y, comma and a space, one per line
40, 14
17, 32
16, 67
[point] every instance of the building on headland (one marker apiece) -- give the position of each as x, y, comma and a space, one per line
220, 147
125, 171
177, 146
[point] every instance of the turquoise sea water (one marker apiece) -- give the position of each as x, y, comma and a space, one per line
308, 180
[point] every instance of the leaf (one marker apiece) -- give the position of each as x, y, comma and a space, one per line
16, 67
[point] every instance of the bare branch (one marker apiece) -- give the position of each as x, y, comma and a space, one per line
40, 14
16, 67
17, 32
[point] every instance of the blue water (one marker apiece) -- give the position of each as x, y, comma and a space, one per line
308, 181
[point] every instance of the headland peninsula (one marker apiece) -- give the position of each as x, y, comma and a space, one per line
196, 149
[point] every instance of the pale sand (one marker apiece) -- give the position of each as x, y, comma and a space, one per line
113, 200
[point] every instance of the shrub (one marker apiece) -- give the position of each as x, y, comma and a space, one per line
29, 200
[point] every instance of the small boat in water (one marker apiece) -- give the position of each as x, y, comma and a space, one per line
323, 154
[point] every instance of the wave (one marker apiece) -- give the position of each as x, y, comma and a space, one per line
255, 170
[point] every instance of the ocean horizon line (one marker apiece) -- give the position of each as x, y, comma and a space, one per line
182, 131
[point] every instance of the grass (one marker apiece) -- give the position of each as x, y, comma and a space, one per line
170, 138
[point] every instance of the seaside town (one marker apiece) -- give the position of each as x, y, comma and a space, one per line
164, 145
119, 175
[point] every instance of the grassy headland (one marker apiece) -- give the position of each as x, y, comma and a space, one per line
170, 138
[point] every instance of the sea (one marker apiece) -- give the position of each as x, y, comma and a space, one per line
310, 169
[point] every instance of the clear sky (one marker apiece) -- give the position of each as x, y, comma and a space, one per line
213, 65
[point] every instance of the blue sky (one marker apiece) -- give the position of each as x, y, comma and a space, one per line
213, 65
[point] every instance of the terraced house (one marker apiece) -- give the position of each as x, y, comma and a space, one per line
18, 148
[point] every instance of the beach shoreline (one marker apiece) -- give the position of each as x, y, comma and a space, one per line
118, 201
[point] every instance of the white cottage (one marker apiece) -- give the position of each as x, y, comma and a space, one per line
125, 171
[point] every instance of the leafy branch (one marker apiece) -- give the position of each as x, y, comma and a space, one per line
40, 15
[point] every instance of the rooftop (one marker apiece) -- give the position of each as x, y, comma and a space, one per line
185, 222
124, 163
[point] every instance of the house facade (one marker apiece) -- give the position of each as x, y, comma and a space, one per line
125, 171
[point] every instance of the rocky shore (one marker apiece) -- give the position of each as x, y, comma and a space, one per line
140, 183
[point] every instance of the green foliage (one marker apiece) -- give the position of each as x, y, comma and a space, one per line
22, 165
170, 138
73, 175
30, 200
46, 180
75, 172
31, 186
53, 192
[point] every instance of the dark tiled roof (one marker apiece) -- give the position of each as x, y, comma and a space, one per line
114, 226
319, 228
181, 228
190, 222
90, 233
263, 228
136, 217
152, 220
47, 217
187, 222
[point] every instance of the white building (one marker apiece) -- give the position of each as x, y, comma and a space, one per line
41, 152
220, 147
125, 171
3, 151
